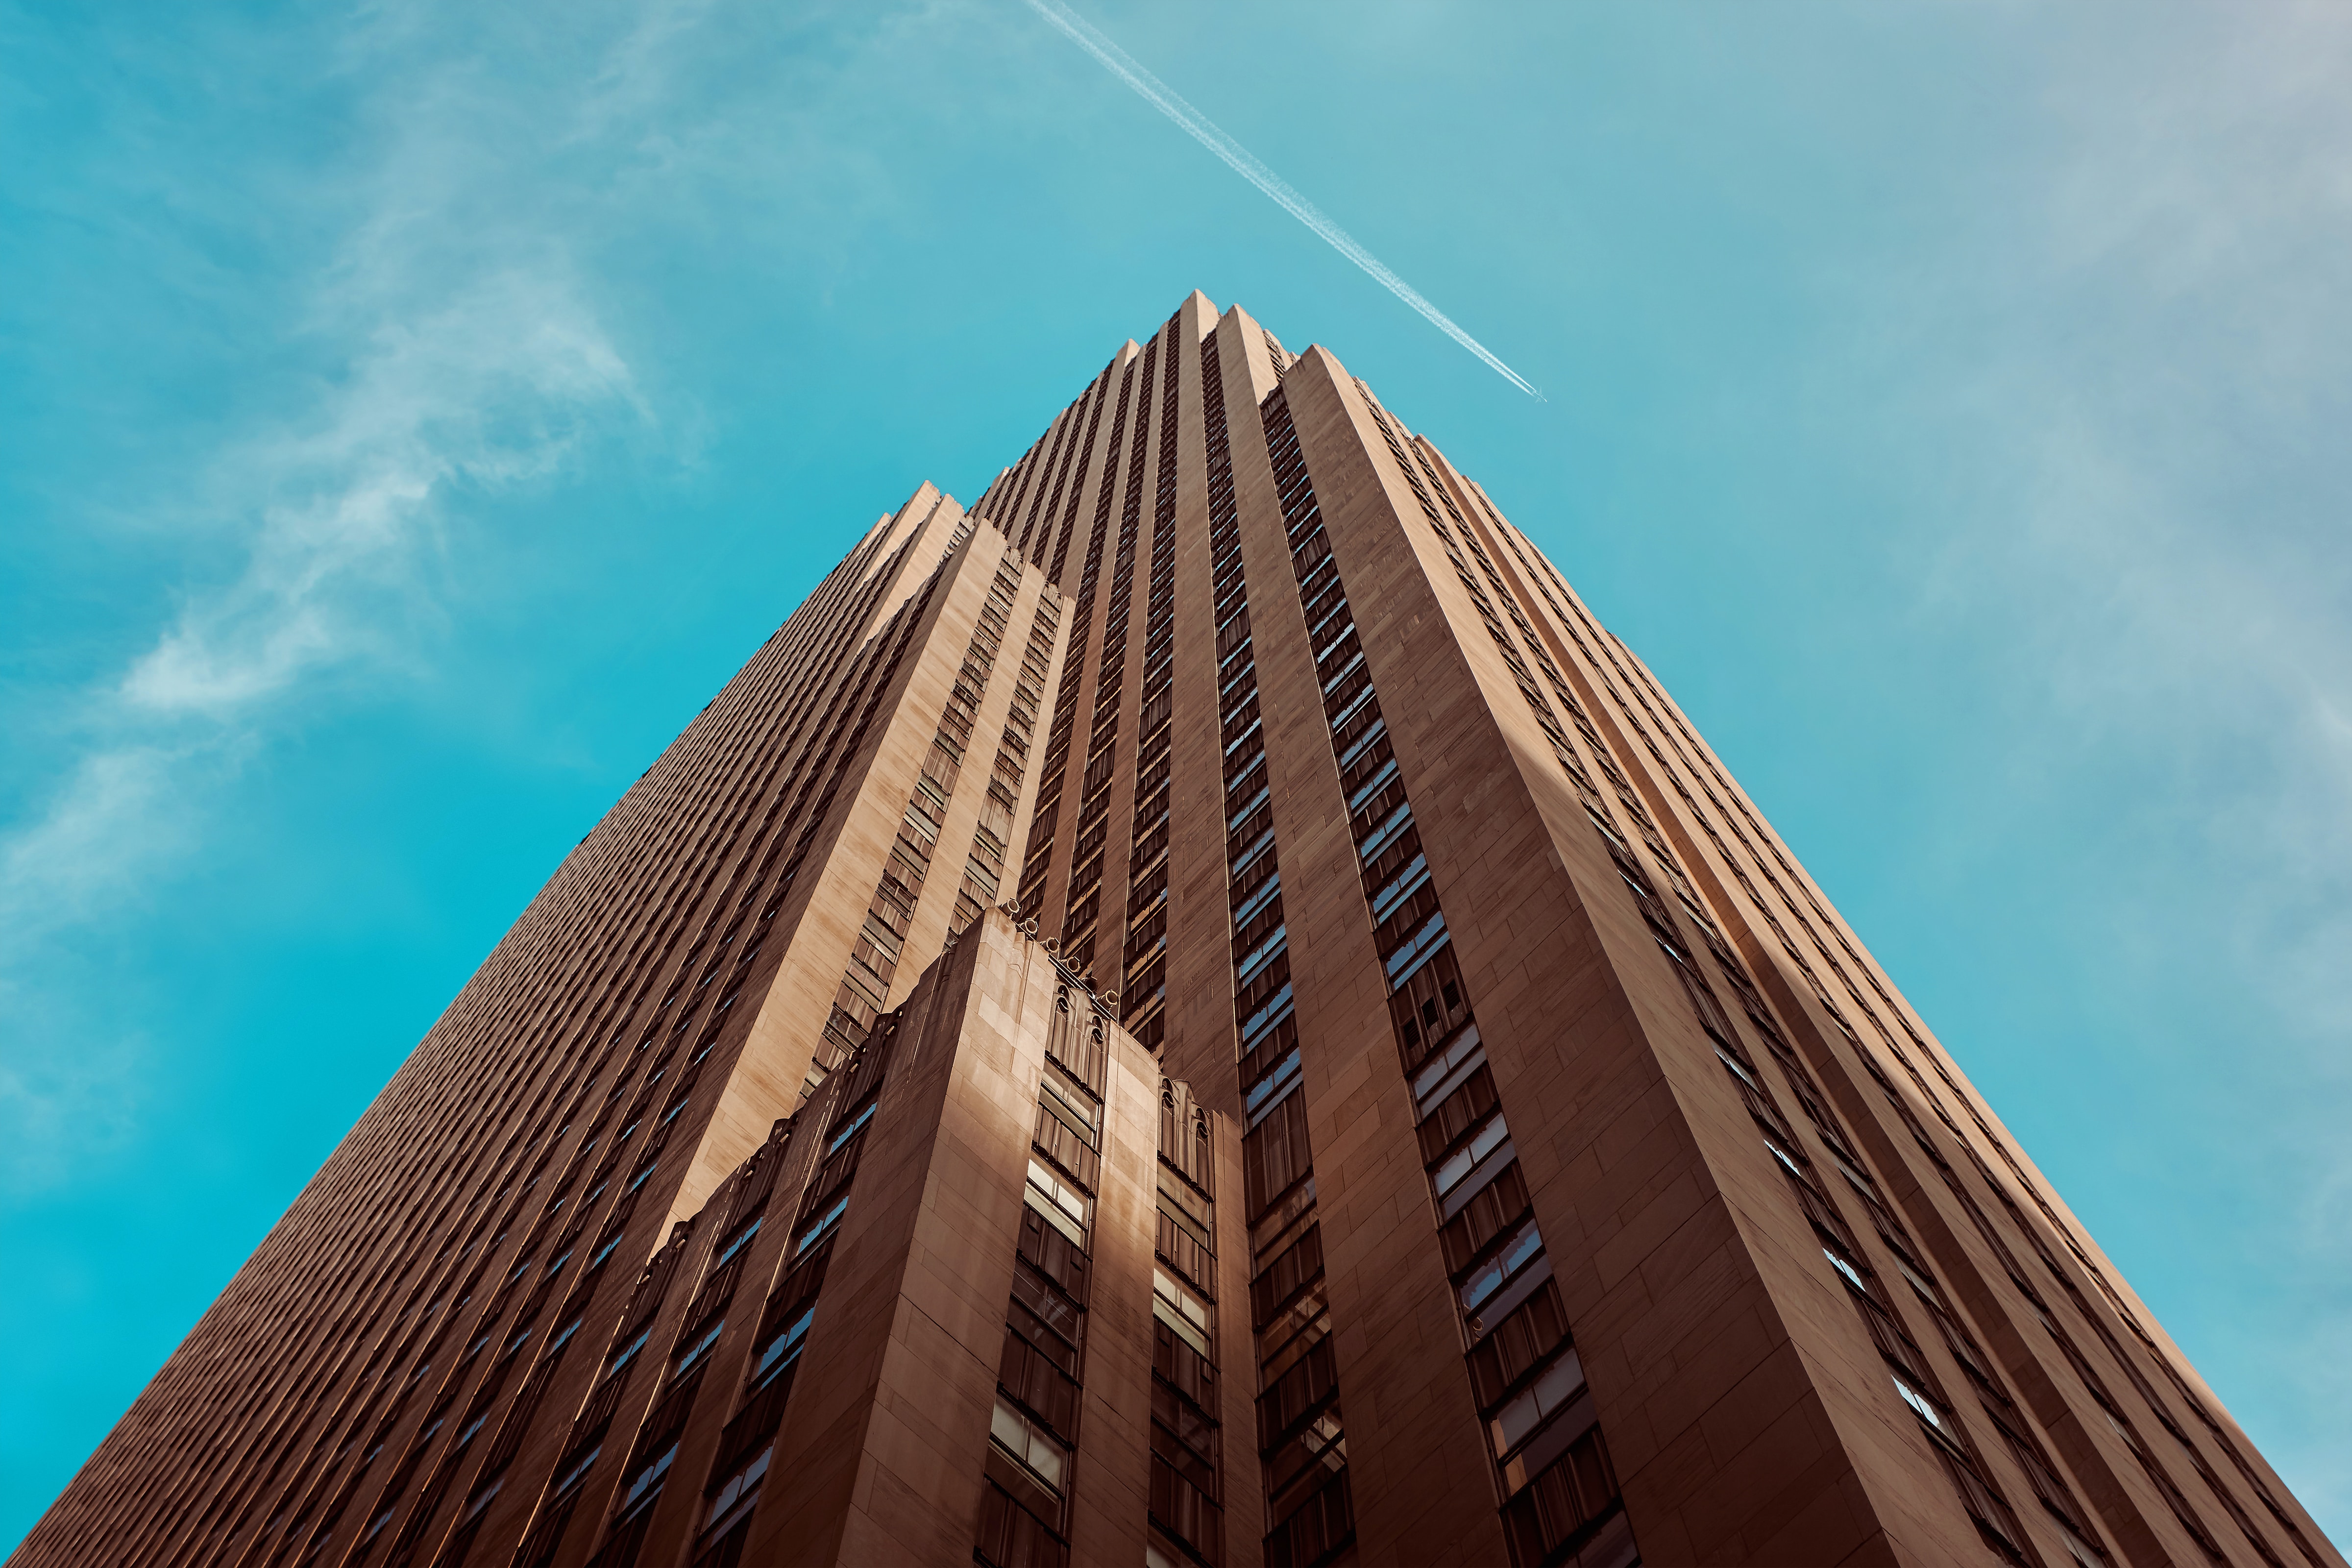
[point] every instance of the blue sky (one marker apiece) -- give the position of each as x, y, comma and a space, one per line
411, 412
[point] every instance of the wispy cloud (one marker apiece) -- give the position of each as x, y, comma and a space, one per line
456, 362
1198, 126
486, 388
444, 287
2180, 389
2153, 350
64, 1110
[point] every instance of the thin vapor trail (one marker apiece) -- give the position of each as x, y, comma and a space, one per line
1163, 98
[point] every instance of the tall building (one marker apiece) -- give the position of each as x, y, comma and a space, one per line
1202, 1011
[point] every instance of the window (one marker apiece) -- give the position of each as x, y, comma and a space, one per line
1248, 909
856, 1124
1450, 1173
1921, 1404
572, 1477
1853, 1174
735, 1497
1267, 1090
466, 1433
1274, 943
1177, 1305
1447, 1071
1488, 1276
701, 1346
644, 1173
1845, 1266
785, 1348
563, 1336
1394, 824
1405, 883
825, 1224
1371, 786
598, 1261
1063, 1204
1077, 1102
1029, 1442
742, 1240
646, 1485
1560, 1383
627, 1352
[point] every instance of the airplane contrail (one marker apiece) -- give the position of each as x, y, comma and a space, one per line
1163, 98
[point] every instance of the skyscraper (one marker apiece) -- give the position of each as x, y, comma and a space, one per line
1202, 1011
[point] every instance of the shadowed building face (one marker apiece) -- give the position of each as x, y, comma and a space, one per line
1202, 1011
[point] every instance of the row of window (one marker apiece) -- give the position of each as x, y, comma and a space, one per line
1806, 908
1539, 1418
1302, 1442
1986, 1506
1058, 534
737, 1470
1033, 1431
873, 961
552, 1213
1186, 1508
1104, 489
1046, 817
984, 867
1005, 499
882, 650
1054, 472
1143, 968
636, 1181
874, 661
1082, 902
1913, 1381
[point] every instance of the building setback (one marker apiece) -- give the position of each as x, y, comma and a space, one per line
1202, 1012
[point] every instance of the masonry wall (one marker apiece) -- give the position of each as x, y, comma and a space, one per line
1742, 1269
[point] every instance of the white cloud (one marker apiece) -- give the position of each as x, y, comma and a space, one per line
2160, 338
2185, 389
63, 1107
113, 816
70, 1086
492, 388
462, 356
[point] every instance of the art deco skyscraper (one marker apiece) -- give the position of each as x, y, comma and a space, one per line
1202, 1011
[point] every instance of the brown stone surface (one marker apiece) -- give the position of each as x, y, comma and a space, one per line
1766, 1197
